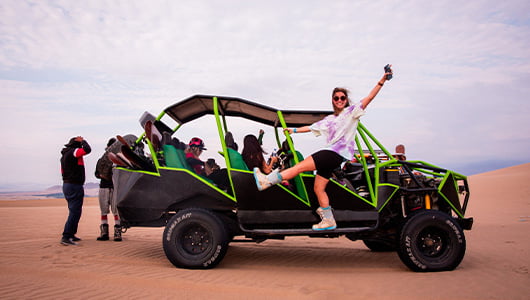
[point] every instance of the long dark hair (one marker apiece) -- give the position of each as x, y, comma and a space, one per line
252, 152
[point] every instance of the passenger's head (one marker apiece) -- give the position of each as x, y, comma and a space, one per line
250, 142
196, 145
251, 145
339, 99
252, 152
400, 152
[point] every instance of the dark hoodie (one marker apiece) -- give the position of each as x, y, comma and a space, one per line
72, 164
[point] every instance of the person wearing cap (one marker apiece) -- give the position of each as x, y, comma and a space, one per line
73, 174
209, 169
195, 148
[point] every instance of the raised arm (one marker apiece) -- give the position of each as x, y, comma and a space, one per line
84, 149
366, 100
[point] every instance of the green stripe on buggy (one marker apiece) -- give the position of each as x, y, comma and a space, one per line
298, 182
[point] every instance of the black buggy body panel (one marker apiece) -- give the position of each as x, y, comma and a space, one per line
280, 207
146, 198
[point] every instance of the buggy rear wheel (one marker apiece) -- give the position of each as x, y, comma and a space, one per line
195, 239
431, 241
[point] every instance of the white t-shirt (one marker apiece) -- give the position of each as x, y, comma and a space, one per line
340, 130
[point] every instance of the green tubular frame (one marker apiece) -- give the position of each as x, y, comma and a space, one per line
421, 166
303, 193
222, 129
363, 137
366, 136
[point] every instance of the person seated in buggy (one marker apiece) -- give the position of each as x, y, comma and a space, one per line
210, 168
253, 155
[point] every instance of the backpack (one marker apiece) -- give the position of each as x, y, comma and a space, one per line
104, 167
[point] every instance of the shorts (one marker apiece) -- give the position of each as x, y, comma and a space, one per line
107, 202
326, 161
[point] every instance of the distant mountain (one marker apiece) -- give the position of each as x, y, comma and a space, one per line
55, 191
91, 185
54, 188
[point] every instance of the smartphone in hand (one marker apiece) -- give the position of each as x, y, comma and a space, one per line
388, 70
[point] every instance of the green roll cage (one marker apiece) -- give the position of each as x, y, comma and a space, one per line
219, 108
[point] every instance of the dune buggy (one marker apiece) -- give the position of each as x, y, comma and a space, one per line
411, 207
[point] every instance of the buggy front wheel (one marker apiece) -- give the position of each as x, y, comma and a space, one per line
431, 241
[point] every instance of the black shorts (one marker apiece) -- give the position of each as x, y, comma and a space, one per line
326, 161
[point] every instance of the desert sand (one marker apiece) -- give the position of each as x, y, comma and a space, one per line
34, 265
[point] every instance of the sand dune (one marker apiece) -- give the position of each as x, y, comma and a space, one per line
34, 265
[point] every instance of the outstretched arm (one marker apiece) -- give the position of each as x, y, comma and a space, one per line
366, 100
298, 130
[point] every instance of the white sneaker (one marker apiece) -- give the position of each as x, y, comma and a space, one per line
326, 223
262, 182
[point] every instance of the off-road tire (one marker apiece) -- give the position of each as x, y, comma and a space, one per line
195, 239
431, 241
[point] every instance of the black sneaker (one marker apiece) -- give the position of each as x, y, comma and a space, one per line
76, 239
68, 242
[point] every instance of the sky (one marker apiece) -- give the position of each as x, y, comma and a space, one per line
458, 99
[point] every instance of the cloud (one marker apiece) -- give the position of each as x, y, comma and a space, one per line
92, 68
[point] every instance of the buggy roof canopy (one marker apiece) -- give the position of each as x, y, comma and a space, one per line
199, 105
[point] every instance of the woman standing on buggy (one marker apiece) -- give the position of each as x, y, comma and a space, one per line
339, 129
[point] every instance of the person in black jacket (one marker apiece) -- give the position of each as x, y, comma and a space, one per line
73, 173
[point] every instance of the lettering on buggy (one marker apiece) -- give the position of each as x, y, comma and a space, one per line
175, 223
455, 229
408, 244
214, 256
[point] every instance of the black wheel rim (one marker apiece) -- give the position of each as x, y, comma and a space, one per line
432, 242
195, 239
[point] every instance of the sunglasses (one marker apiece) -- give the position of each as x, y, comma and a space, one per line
337, 98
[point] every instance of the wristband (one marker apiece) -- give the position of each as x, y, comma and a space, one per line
380, 83
294, 130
